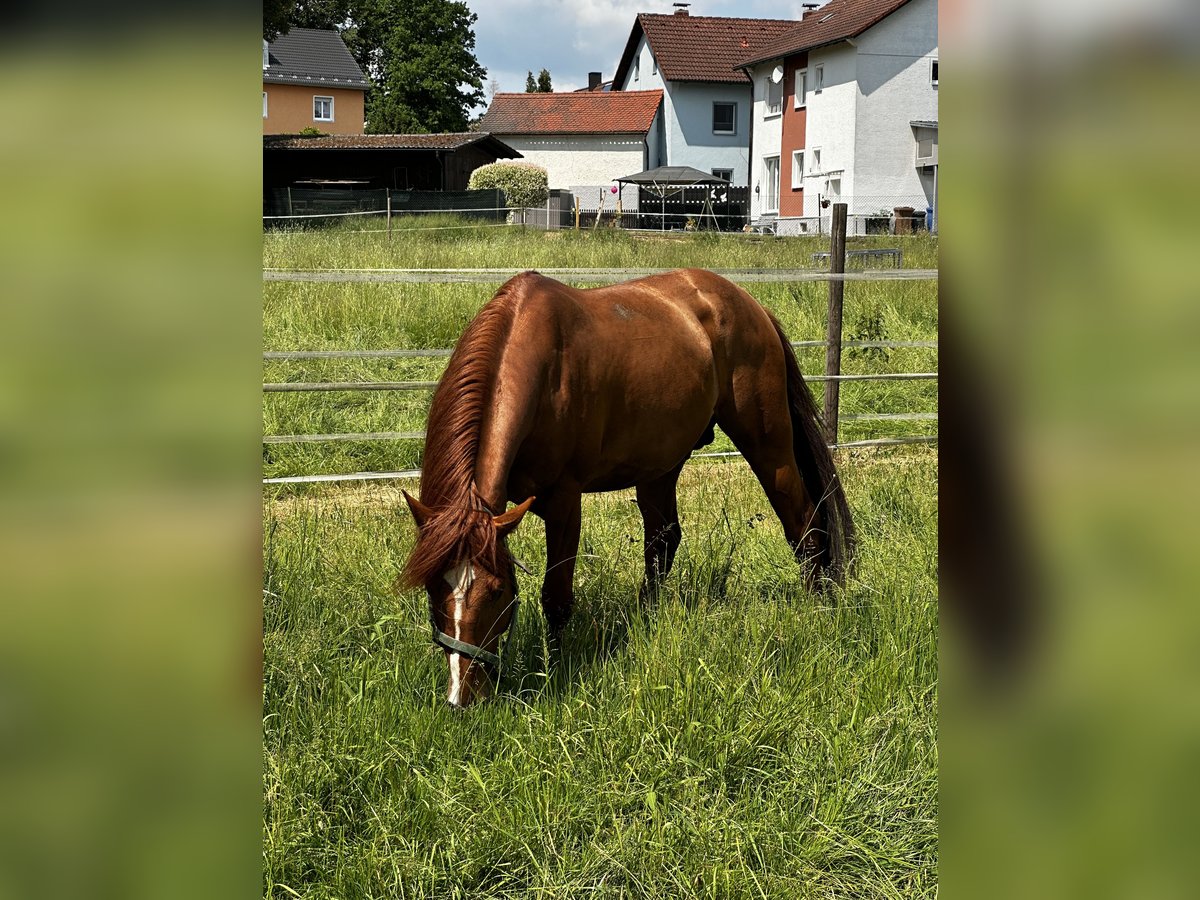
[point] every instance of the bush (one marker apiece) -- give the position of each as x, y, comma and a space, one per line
524, 184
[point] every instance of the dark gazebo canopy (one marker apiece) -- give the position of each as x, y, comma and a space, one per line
672, 176
667, 180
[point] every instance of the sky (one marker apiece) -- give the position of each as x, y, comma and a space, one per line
574, 37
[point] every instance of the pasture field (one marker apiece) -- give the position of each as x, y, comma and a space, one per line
315, 316
739, 738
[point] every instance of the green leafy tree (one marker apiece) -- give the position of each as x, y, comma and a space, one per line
543, 82
530, 84
276, 17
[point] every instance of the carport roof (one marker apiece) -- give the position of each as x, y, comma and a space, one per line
450, 141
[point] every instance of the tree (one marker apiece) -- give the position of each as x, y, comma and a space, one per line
530, 84
276, 17
418, 54
543, 82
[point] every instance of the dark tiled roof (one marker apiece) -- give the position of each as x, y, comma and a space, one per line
833, 22
452, 141
700, 48
576, 112
312, 56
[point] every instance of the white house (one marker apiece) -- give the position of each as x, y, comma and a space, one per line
705, 120
584, 140
845, 110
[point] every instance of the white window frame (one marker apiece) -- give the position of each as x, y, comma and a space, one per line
653, 64
800, 89
264, 104
732, 103
769, 111
933, 72
814, 160
797, 169
818, 79
721, 173
317, 118
266, 55
770, 197
637, 67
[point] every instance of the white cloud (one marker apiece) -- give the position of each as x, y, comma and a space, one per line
574, 37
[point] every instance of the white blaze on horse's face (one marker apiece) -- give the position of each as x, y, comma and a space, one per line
460, 579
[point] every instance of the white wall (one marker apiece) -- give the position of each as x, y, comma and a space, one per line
580, 159
768, 134
831, 124
893, 90
688, 138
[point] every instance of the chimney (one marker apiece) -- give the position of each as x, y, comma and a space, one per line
681, 9
593, 81
809, 9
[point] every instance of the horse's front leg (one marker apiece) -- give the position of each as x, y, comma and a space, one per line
562, 514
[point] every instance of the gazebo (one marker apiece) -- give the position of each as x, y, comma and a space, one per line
667, 180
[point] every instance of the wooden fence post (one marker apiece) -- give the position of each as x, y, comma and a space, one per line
833, 334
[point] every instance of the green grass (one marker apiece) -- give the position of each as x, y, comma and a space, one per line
305, 316
743, 738
442, 242
740, 739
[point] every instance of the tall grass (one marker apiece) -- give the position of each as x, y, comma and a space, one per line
740, 738
309, 316
448, 242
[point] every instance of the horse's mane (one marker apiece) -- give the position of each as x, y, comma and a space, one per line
460, 527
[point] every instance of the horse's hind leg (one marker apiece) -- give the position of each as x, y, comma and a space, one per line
660, 518
760, 426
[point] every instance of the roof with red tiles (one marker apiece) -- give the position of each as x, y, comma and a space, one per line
587, 112
700, 48
835, 21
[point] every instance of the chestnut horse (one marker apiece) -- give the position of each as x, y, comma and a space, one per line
554, 392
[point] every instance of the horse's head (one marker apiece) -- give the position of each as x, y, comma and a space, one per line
472, 597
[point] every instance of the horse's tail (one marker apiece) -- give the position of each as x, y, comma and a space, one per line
816, 466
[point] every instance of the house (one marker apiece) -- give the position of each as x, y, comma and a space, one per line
310, 80
583, 139
705, 121
845, 110
399, 162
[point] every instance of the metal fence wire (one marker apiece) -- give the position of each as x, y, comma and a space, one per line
498, 275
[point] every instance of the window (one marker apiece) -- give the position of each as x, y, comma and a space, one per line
815, 158
727, 174
264, 104
797, 169
833, 188
724, 118
637, 67
801, 87
771, 184
653, 65
818, 79
933, 72
323, 109
774, 95
266, 55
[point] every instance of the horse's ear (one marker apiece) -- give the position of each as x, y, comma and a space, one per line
420, 513
507, 522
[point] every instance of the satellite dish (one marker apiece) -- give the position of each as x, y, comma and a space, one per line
777, 75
